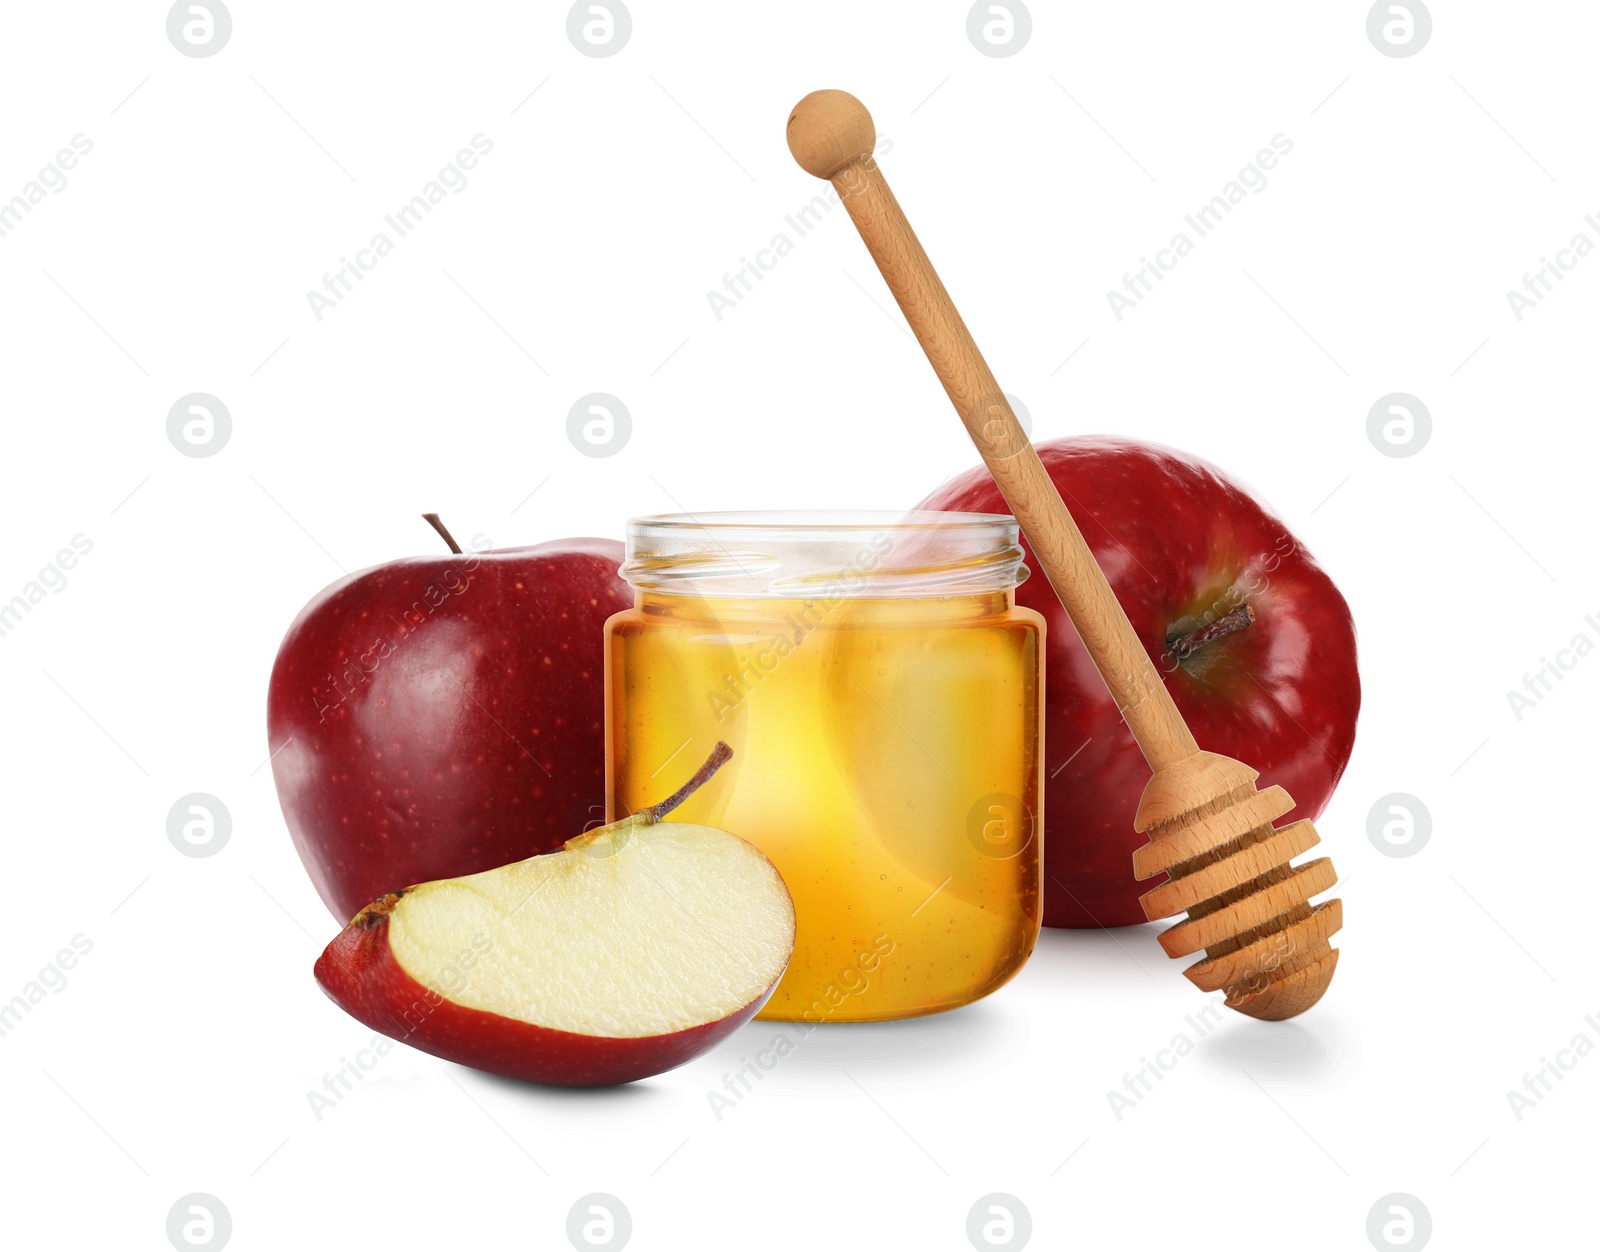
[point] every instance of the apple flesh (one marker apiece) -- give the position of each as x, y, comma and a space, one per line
631, 951
440, 715
1250, 635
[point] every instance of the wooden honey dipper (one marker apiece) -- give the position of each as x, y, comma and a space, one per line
1210, 829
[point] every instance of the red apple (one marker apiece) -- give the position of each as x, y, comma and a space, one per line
1254, 641
440, 715
636, 948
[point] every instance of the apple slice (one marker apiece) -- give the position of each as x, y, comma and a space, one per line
632, 950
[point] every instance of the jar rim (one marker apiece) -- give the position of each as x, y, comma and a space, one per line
841, 553
824, 519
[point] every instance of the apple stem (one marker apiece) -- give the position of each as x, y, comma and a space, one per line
433, 520
1186, 646
719, 755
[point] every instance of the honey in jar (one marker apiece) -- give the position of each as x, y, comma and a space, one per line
882, 693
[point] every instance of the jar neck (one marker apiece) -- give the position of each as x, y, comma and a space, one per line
824, 555
851, 612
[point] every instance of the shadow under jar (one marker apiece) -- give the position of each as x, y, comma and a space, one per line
883, 696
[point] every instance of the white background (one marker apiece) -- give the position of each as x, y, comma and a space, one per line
177, 259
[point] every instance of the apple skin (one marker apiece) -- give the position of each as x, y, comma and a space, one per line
1172, 534
360, 974
437, 716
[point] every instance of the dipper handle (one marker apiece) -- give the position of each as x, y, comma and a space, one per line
832, 136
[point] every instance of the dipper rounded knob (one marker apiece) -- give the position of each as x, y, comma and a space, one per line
828, 130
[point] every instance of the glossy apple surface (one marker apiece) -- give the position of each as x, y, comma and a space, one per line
1182, 545
630, 952
440, 715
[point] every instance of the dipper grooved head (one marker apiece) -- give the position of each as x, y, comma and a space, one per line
1249, 908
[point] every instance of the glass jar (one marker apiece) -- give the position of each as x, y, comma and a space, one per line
883, 696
